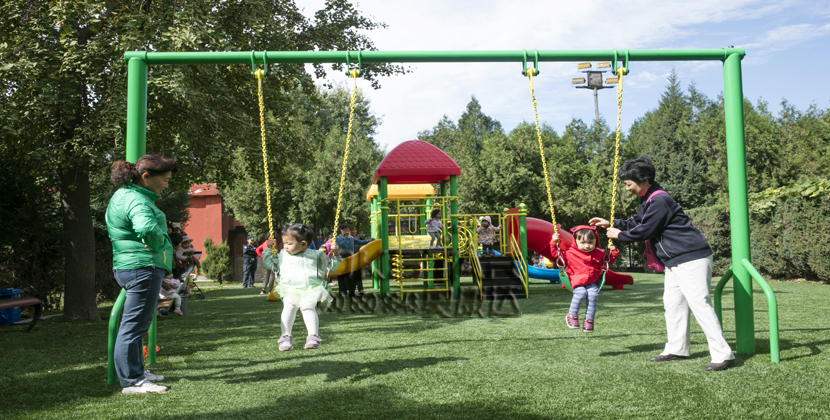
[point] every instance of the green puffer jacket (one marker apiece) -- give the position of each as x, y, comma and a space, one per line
133, 220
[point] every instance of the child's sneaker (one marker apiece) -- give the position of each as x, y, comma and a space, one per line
286, 343
313, 341
588, 325
144, 387
178, 311
572, 320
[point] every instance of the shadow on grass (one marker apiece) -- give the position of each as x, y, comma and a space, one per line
379, 402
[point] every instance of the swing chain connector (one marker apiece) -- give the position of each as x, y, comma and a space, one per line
621, 70
354, 70
534, 71
256, 72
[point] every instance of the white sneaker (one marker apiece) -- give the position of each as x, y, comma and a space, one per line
152, 378
286, 343
144, 387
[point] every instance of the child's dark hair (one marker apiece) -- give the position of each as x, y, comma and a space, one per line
434, 213
123, 172
300, 232
638, 170
344, 226
585, 235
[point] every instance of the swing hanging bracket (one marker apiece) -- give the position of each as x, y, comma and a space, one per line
535, 69
351, 70
626, 57
259, 73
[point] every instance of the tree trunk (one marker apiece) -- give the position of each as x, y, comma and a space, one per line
79, 246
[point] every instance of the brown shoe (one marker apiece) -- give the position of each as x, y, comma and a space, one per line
667, 357
719, 366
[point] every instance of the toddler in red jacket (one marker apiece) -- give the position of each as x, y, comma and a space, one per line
583, 264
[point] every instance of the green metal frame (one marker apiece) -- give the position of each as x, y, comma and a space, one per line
138, 61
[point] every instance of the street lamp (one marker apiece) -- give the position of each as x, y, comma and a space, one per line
594, 81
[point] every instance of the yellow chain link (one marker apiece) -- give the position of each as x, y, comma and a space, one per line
259, 75
354, 73
530, 73
620, 72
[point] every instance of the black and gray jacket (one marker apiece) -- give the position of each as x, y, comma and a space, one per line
670, 230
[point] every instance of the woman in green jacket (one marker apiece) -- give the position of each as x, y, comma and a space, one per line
142, 257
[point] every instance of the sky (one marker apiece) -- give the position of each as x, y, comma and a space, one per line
787, 45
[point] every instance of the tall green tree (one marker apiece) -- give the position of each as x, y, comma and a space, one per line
63, 82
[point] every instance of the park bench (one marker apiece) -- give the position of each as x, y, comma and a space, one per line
24, 301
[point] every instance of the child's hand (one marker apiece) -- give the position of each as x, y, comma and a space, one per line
335, 249
611, 247
555, 237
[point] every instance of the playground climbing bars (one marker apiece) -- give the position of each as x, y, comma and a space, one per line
137, 62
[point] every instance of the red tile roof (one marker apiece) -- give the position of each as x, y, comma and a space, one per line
416, 162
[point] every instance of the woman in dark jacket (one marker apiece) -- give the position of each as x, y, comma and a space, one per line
686, 255
142, 257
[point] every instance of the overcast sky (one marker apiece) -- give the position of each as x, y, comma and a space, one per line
787, 45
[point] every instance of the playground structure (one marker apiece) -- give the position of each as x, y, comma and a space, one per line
741, 271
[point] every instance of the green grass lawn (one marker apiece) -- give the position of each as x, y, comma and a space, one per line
221, 361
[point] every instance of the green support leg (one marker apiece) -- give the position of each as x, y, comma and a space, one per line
738, 205
374, 234
456, 260
114, 321
384, 236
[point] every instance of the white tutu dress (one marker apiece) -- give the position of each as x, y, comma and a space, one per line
302, 276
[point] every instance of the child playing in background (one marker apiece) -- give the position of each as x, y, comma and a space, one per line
346, 242
487, 236
434, 227
583, 264
302, 282
169, 290
537, 261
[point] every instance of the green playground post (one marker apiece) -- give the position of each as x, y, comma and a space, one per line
374, 234
456, 256
733, 103
384, 236
523, 230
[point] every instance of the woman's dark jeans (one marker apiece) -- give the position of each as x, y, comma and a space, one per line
142, 286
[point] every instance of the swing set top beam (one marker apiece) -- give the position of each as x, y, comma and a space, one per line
270, 57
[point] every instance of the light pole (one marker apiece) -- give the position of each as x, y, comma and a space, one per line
594, 79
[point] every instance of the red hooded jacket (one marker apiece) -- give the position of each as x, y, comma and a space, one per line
583, 267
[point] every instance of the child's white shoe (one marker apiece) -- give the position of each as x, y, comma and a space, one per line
313, 341
286, 343
144, 387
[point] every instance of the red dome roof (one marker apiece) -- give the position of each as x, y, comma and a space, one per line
416, 162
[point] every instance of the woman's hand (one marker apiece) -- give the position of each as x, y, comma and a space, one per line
612, 233
151, 249
600, 222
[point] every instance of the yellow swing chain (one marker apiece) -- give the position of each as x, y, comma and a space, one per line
530, 73
259, 74
620, 72
353, 73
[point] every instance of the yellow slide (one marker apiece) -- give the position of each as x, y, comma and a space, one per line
362, 258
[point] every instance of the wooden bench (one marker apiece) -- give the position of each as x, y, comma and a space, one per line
26, 301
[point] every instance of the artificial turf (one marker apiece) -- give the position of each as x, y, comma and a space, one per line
221, 361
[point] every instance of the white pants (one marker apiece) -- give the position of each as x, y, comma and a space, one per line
289, 314
687, 287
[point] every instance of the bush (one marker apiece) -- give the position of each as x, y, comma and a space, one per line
786, 240
217, 262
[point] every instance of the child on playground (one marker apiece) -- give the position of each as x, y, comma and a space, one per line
169, 290
347, 243
583, 264
487, 236
302, 282
434, 227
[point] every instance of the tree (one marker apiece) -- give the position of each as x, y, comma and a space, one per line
63, 83
217, 262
